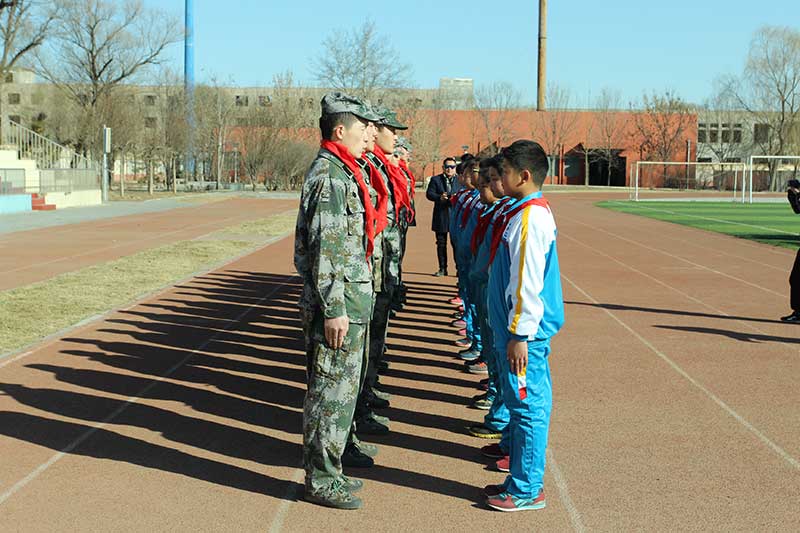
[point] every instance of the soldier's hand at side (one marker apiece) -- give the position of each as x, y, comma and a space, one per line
336, 331
517, 353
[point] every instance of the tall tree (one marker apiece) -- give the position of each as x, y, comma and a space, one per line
552, 128
769, 90
100, 44
361, 62
495, 104
24, 26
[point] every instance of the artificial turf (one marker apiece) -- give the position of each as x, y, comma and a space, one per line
770, 223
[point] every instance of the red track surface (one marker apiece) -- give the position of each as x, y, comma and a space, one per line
29, 256
675, 400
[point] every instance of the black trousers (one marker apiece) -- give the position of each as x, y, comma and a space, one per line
441, 249
794, 284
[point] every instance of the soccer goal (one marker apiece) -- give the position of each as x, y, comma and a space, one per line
766, 175
707, 179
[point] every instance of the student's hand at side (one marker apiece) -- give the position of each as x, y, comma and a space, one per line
336, 331
517, 352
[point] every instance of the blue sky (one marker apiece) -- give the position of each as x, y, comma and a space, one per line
632, 46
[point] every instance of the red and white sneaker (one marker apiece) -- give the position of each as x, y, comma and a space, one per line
463, 343
455, 301
504, 464
462, 331
458, 323
508, 503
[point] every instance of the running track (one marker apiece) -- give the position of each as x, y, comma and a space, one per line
675, 400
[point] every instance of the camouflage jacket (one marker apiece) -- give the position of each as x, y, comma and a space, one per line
330, 244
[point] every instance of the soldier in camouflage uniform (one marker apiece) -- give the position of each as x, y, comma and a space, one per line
403, 154
333, 243
371, 398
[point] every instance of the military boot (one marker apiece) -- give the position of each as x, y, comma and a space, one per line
335, 495
353, 457
370, 426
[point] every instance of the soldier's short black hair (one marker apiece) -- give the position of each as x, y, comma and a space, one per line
526, 155
327, 123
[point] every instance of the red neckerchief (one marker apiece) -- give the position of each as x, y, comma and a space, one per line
343, 154
469, 206
456, 196
483, 224
412, 180
377, 183
502, 223
398, 183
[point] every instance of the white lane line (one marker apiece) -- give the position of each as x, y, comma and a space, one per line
563, 493
283, 510
783, 454
679, 258
19, 485
745, 323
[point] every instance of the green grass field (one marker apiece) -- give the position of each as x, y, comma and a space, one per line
770, 223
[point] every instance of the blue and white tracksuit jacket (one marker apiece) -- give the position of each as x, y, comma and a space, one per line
526, 303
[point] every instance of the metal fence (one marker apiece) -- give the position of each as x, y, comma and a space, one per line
59, 168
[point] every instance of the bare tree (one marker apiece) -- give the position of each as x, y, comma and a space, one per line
553, 128
607, 130
214, 109
99, 44
361, 62
662, 124
769, 90
24, 25
495, 104
427, 130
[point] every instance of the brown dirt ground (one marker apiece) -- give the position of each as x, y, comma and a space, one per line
675, 400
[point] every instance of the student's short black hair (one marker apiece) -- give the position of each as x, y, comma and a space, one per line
466, 159
327, 123
446, 159
526, 155
491, 162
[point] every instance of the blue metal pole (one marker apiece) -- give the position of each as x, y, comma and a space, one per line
188, 81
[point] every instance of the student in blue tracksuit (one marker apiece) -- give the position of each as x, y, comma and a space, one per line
472, 208
459, 202
526, 309
496, 420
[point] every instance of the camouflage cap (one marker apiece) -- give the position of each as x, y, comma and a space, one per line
403, 142
389, 118
338, 102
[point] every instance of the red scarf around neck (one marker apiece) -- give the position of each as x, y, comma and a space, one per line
412, 179
344, 155
502, 222
398, 183
377, 183
483, 224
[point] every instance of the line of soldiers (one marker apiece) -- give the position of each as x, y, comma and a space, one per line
355, 209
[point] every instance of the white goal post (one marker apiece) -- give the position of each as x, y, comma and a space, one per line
766, 158
738, 168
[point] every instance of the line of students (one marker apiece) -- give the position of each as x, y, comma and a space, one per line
511, 305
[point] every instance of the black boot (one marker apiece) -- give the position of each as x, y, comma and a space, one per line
355, 458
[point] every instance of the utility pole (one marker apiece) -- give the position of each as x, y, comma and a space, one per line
542, 77
188, 87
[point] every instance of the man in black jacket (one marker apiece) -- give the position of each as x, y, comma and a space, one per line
793, 194
440, 189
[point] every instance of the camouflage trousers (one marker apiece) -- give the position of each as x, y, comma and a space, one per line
334, 379
392, 256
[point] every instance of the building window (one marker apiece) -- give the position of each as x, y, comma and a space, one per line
713, 133
10, 77
15, 118
704, 160
150, 122
726, 133
701, 133
264, 101
242, 100
761, 133
733, 160
737, 133
150, 100
14, 98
